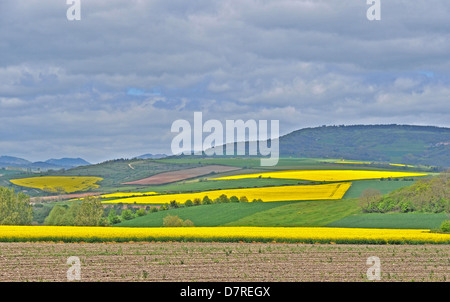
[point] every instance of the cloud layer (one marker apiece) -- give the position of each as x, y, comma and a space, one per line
111, 84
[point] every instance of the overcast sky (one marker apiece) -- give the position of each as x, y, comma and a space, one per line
110, 85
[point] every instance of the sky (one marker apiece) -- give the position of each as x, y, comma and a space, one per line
111, 84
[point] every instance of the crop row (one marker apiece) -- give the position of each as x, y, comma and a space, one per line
221, 234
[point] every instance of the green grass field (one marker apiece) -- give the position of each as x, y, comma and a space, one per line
283, 213
301, 213
385, 186
391, 221
204, 215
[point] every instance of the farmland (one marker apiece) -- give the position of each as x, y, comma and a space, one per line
309, 226
59, 184
173, 176
222, 234
267, 214
222, 262
327, 175
327, 191
301, 191
392, 220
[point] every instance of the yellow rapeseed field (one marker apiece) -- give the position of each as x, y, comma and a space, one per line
59, 184
352, 162
326, 175
401, 165
279, 234
280, 193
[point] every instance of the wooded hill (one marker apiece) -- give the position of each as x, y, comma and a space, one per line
405, 144
401, 144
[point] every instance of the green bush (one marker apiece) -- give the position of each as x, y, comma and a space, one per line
174, 204
153, 209
127, 214
112, 217
188, 223
243, 199
141, 212
56, 216
445, 226
234, 199
223, 199
175, 221
206, 200
172, 221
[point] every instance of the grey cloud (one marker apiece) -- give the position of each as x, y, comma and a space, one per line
63, 85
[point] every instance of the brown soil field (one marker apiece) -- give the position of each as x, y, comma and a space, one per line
172, 176
222, 262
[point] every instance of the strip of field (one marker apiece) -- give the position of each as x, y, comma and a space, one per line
172, 176
59, 184
402, 165
221, 234
221, 262
384, 187
326, 175
314, 213
267, 194
123, 195
353, 162
62, 197
391, 220
212, 215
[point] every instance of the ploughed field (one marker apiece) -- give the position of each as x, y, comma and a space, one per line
172, 176
222, 262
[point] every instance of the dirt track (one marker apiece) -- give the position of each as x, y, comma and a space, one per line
221, 262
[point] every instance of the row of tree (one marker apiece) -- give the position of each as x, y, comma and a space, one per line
117, 214
15, 209
87, 213
91, 212
206, 200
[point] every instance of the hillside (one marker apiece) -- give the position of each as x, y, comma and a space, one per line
51, 164
68, 162
405, 144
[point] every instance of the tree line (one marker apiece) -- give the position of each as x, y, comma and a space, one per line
90, 212
117, 214
430, 195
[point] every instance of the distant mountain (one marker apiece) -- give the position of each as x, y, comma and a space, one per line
51, 164
10, 160
151, 156
68, 162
